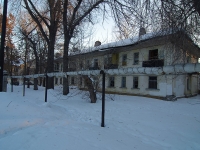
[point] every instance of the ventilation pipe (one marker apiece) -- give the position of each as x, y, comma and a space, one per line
142, 31
97, 43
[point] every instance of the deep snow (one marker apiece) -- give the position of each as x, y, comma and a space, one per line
72, 123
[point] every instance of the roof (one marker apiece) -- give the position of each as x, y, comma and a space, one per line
136, 40
124, 42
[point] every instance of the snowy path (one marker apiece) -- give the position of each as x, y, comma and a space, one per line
28, 123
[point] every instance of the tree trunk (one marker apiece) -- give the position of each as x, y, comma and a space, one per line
91, 89
66, 48
65, 68
35, 87
50, 61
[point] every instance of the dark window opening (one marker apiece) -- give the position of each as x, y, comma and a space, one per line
124, 60
72, 80
60, 80
136, 58
95, 63
56, 80
153, 54
135, 82
111, 81
153, 82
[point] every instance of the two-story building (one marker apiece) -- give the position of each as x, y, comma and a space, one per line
145, 51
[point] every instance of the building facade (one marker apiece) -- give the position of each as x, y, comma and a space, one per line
145, 51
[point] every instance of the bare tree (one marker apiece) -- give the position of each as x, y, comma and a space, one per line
78, 12
47, 17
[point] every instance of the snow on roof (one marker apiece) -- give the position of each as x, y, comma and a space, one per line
121, 43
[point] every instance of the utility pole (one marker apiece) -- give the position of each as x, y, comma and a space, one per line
3, 34
103, 99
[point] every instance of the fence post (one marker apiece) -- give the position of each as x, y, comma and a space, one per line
11, 84
103, 98
24, 86
46, 87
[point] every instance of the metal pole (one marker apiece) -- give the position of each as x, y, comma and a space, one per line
3, 33
103, 98
11, 71
46, 87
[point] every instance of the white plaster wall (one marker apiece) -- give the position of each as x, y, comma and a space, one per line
143, 55
179, 85
194, 84
164, 86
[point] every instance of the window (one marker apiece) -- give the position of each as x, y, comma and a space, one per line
96, 63
136, 58
188, 59
107, 60
124, 60
153, 82
188, 83
81, 65
15, 69
56, 67
135, 82
81, 81
56, 80
123, 82
111, 81
153, 54
88, 63
60, 80
72, 80
61, 67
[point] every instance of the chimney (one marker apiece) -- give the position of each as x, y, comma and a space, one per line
97, 43
142, 31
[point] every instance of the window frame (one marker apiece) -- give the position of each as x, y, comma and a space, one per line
112, 81
188, 83
124, 59
96, 62
81, 81
151, 56
72, 81
61, 80
56, 80
134, 85
123, 82
153, 82
136, 59
56, 67
88, 64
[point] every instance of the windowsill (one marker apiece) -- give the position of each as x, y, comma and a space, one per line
150, 89
135, 88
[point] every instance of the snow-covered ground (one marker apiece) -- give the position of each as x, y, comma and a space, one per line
72, 123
